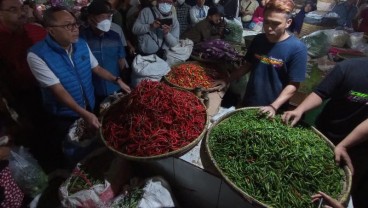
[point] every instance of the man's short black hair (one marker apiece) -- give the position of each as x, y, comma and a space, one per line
215, 10
48, 16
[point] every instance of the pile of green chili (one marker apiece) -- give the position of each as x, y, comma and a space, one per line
278, 165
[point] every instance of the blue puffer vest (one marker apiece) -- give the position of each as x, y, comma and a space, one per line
77, 79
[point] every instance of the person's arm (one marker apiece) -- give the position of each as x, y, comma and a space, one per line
145, 23
104, 74
64, 97
171, 33
47, 79
358, 135
329, 201
284, 96
292, 117
241, 71
131, 48
122, 64
193, 16
122, 54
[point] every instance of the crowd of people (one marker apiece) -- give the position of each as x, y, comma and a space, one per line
59, 68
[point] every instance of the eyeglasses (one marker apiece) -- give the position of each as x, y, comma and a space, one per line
15, 9
68, 27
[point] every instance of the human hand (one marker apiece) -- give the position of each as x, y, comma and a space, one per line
131, 50
4, 152
341, 155
91, 120
220, 85
124, 86
269, 110
293, 116
166, 29
155, 24
328, 201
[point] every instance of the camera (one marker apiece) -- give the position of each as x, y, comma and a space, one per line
166, 21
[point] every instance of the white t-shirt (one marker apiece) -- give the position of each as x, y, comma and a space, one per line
43, 73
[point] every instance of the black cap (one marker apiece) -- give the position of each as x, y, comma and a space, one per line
99, 7
216, 10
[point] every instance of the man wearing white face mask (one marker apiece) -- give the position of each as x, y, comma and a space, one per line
153, 32
106, 46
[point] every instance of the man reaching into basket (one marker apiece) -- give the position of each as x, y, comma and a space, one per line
276, 60
63, 65
347, 88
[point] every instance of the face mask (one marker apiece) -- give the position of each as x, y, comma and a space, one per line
180, 2
215, 1
164, 8
104, 25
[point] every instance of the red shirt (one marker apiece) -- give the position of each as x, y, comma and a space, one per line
363, 27
13, 56
258, 14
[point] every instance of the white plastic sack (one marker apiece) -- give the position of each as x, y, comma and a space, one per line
149, 67
155, 196
98, 196
179, 53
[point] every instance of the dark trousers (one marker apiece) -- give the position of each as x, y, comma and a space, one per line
54, 135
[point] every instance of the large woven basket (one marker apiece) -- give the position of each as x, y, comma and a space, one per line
177, 152
308, 28
344, 196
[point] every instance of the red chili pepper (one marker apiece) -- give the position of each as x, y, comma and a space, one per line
154, 119
190, 75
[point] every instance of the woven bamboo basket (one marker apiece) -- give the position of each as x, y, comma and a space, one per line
345, 192
222, 74
177, 152
309, 28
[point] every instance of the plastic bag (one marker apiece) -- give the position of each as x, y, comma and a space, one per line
355, 40
317, 44
337, 38
256, 26
155, 193
26, 172
97, 195
236, 31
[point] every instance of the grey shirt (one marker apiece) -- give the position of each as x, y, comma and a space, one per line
150, 40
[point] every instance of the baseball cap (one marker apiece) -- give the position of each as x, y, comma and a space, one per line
165, 1
99, 7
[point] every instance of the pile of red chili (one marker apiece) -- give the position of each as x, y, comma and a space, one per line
190, 75
154, 119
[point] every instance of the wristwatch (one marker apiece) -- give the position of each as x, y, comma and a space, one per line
117, 78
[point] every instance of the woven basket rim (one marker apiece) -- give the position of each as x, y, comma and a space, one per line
345, 192
177, 152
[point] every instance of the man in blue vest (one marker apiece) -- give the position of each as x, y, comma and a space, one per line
63, 65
